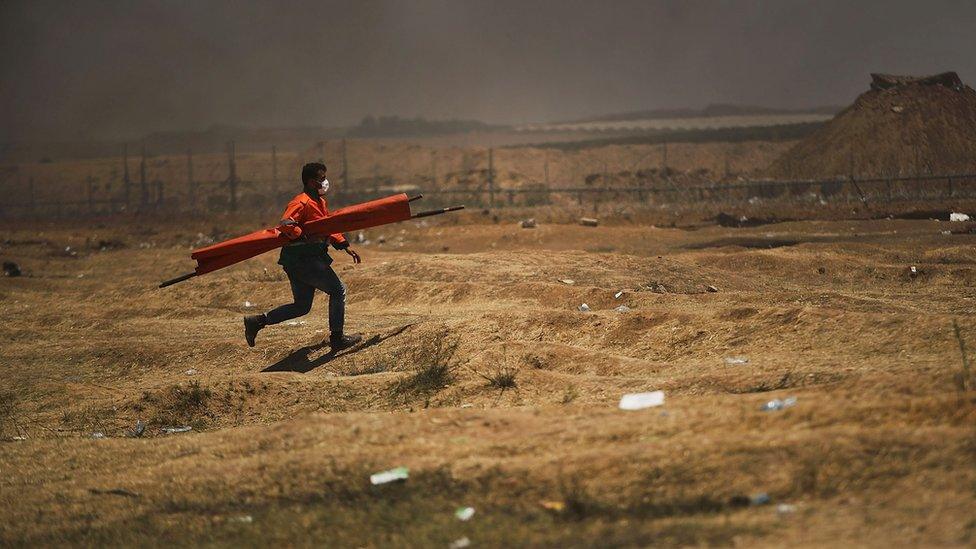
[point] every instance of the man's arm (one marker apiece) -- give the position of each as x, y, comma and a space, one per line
291, 220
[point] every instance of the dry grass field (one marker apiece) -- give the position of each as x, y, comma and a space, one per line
480, 374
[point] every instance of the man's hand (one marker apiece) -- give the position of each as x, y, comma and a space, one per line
355, 257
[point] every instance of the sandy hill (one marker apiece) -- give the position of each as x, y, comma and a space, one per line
901, 126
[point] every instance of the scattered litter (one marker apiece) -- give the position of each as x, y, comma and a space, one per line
295, 323
589, 222
528, 223
912, 271
464, 513
761, 498
622, 309
246, 519
569, 281
393, 475
958, 217
556, 506
248, 305
80, 275
946, 233
639, 401
138, 430
584, 308
320, 331
98, 435
711, 289
778, 404
11, 269
360, 237
460, 543
19, 437
182, 429
191, 372
113, 492
618, 294
467, 405
897, 108
733, 360
785, 508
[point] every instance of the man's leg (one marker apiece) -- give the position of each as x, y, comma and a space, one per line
302, 296
323, 277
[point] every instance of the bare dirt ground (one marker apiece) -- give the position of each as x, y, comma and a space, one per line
480, 375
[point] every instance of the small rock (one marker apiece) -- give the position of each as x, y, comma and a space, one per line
898, 109
584, 308
711, 289
569, 281
528, 223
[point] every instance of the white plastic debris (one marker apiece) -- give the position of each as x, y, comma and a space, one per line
97, 435
785, 508
246, 519
639, 401
622, 309
183, 429
567, 281
295, 323
460, 543
734, 360
19, 438
711, 289
958, 217
589, 221
248, 305
618, 294
946, 233
584, 308
778, 404
191, 372
464, 513
138, 430
393, 475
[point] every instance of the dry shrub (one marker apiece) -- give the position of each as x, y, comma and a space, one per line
180, 404
433, 366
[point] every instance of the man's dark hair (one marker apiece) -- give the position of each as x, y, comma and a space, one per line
311, 171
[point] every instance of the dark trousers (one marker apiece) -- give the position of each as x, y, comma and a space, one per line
305, 278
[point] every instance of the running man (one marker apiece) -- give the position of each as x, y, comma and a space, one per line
307, 263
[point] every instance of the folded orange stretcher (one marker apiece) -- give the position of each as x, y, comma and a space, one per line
374, 213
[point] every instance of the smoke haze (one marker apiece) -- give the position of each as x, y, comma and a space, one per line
107, 70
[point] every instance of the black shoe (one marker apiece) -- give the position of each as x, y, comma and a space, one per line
252, 323
344, 341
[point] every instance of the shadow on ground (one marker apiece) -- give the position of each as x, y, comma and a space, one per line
298, 361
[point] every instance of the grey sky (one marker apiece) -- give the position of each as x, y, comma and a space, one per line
120, 69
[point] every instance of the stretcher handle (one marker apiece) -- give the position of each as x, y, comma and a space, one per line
180, 278
437, 212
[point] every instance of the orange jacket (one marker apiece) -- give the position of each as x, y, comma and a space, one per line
302, 209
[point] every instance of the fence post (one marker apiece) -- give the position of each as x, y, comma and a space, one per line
491, 177
125, 175
91, 203
33, 200
232, 176
143, 185
274, 168
191, 186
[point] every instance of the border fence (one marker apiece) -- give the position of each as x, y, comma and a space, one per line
478, 189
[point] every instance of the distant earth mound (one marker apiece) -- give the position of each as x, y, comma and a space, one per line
903, 125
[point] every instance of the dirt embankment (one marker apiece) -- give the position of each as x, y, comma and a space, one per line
901, 126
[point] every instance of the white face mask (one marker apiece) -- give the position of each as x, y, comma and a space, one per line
324, 188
